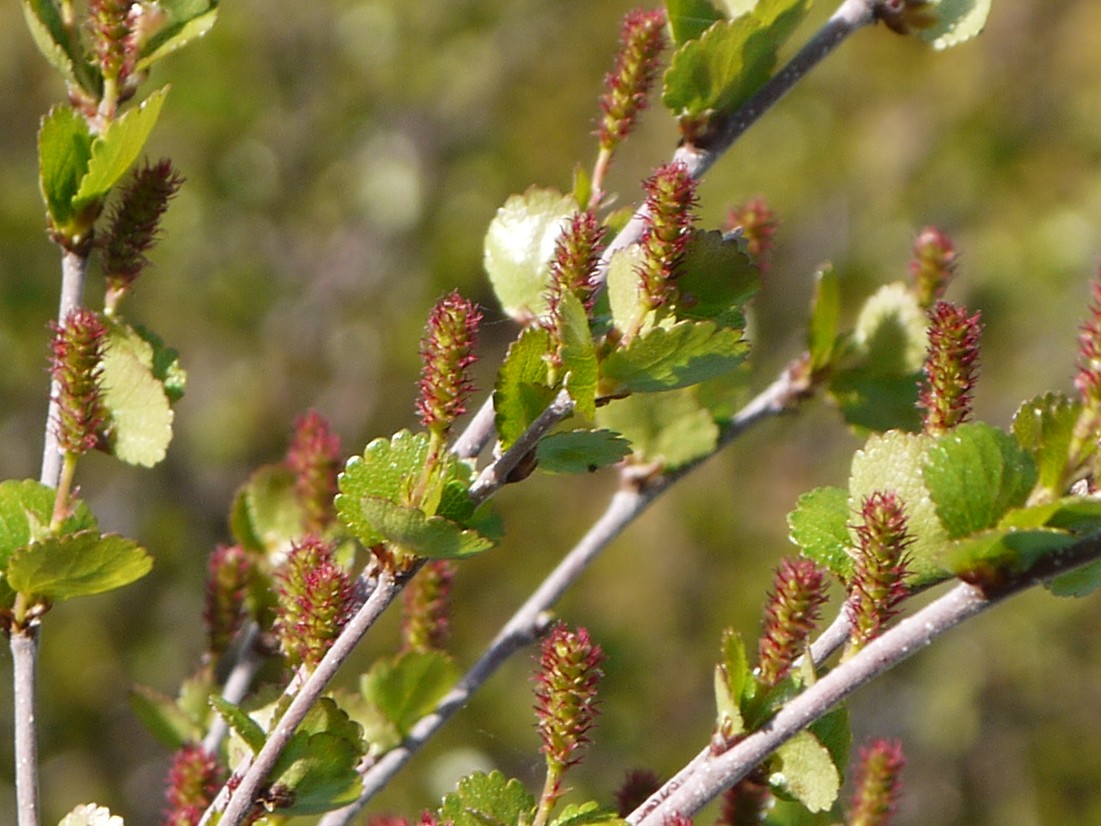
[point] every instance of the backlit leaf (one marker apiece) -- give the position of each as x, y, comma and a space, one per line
669, 358
77, 564
581, 451
488, 800
518, 248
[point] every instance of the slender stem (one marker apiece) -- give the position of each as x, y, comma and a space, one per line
850, 17
531, 619
249, 660
478, 432
711, 774
74, 269
24, 655
496, 473
244, 795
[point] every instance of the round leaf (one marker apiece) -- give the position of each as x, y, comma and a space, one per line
77, 564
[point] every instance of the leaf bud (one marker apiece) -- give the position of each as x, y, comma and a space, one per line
798, 592
951, 367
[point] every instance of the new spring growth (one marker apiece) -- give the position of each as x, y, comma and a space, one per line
110, 32
228, 572
576, 256
133, 226
933, 266
448, 353
879, 567
670, 204
758, 224
76, 355
627, 87
193, 780
565, 705
878, 784
316, 600
1087, 429
314, 459
951, 367
798, 592
426, 621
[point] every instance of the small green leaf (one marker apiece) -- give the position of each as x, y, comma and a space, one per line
623, 286
578, 357
587, 814
1078, 514
1080, 582
117, 148
488, 800
1044, 426
64, 149
44, 20
251, 732
318, 767
518, 248
890, 333
957, 21
166, 365
669, 358
731, 60
187, 20
140, 426
522, 391
975, 473
825, 313
992, 558
414, 531
90, 814
717, 279
732, 677
163, 717
833, 731
893, 461
669, 430
581, 451
77, 564
804, 770
267, 515
407, 687
688, 19
820, 526
875, 402
26, 508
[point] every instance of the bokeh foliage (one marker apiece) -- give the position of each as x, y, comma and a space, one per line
343, 161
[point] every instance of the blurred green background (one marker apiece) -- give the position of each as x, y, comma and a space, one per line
343, 160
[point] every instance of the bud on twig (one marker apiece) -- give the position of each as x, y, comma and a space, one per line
314, 458
448, 353
626, 87
134, 223
193, 780
110, 29
670, 201
1088, 379
75, 365
878, 784
316, 600
576, 257
951, 366
758, 224
565, 704
933, 265
799, 590
879, 568
227, 580
426, 623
